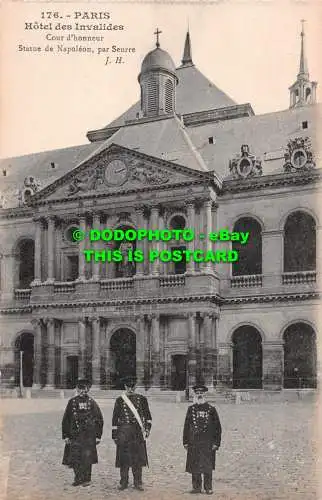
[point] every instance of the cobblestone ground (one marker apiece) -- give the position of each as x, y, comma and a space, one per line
267, 453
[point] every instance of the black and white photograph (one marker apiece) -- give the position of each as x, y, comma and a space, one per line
160, 250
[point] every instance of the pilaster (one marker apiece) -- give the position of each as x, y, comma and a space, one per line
273, 365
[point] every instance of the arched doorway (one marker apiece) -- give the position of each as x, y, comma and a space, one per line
25, 344
300, 357
178, 372
247, 358
123, 356
299, 243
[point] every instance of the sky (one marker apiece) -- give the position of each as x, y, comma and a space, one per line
249, 49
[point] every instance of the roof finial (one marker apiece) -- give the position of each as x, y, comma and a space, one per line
187, 59
157, 33
303, 63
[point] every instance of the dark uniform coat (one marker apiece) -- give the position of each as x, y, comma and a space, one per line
82, 424
202, 430
130, 443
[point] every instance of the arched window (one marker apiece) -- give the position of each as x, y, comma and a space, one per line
26, 263
250, 254
299, 243
308, 95
152, 95
168, 96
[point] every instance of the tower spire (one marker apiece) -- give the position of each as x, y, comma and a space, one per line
303, 91
303, 71
187, 58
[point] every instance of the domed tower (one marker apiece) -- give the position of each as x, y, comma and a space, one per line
158, 81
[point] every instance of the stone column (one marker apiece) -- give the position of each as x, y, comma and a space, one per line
147, 350
37, 277
192, 362
319, 257
37, 324
96, 354
7, 276
96, 245
155, 350
272, 258
163, 266
51, 249
154, 225
162, 352
82, 247
214, 227
50, 353
225, 368
208, 350
140, 243
208, 266
82, 347
191, 225
140, 349
213, 335
273, 365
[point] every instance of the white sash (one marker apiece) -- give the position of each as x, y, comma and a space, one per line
135, 412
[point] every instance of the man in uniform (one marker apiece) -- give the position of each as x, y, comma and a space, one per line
131, 424
201, 439
82, 428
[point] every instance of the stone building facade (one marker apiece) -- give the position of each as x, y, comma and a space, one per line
185, 156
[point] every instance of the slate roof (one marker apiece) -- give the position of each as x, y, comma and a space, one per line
39, 166
167, 138
267, 136
194, 93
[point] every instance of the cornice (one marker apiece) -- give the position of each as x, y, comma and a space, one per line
269, 181
129, 302
213, 298
264, 299
15, 212
16, 310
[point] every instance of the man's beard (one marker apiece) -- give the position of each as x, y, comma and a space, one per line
198, 399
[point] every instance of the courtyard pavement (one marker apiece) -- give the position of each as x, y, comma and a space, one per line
268, 452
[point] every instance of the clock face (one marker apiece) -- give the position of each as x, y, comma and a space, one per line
116, 173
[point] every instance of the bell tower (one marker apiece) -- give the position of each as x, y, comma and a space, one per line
158, 81
303, 91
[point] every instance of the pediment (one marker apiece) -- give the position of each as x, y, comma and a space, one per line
118, 170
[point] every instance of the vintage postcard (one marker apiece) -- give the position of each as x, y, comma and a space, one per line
160, 250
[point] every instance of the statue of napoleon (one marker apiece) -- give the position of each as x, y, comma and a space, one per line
126, 267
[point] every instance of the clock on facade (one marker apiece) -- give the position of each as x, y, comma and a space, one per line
116, 173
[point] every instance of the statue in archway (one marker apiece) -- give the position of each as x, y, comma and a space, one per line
126, 267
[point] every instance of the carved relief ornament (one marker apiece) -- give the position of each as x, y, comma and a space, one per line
299, 156
245, 164
114, 172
